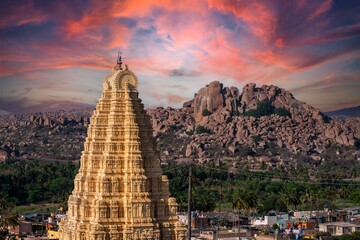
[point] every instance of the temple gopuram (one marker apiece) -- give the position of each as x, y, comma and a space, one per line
120, 192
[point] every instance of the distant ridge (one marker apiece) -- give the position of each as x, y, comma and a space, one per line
345, 112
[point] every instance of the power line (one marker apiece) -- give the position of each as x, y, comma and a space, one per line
189, 203
252, 173
276, 177
293, 179
175, 168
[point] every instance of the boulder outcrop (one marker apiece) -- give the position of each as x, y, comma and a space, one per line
223, 131
306, 130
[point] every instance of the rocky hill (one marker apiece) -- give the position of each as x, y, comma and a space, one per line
44, 136
216, 124
259, 126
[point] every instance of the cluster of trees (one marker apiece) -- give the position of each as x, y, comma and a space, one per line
26, 182
264, 108
258, 193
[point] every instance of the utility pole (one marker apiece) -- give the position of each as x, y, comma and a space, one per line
239, 235
189, 202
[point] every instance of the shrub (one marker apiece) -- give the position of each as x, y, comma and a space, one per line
206, 112
252, 113
263, 108
275, 226
174, 127
246, 151
189, 132
357, 144
256, 138
282, 112
201, 129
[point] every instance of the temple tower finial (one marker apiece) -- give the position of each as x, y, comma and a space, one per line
119, 61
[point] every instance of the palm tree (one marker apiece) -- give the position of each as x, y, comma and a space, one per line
241, 206
303, 199
205, 200
290, 198
310, 197
343, 192
7, 216
285, 199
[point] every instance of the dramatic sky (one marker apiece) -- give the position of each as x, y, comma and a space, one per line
54, 54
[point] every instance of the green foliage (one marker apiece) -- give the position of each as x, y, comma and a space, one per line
355, 195
225, 223
201, 129
7, 215
282, 112
263, 166
189, 132
256, 138
264, 108
249, 196
35, 193
174, 127
240, 204
215, 186
272, 202
252, 113
357, 144
323, 234
351, 236
206, 112
59, 189
275, 226
33, 208
32, 181
205, 200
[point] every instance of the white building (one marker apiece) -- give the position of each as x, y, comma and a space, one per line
271, 220
339, 228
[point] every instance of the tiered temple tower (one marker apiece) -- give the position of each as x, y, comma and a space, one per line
120, 192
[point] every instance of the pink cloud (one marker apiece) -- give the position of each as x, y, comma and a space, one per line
259, 16
321, 9
240, 40
191, 30
20, 14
